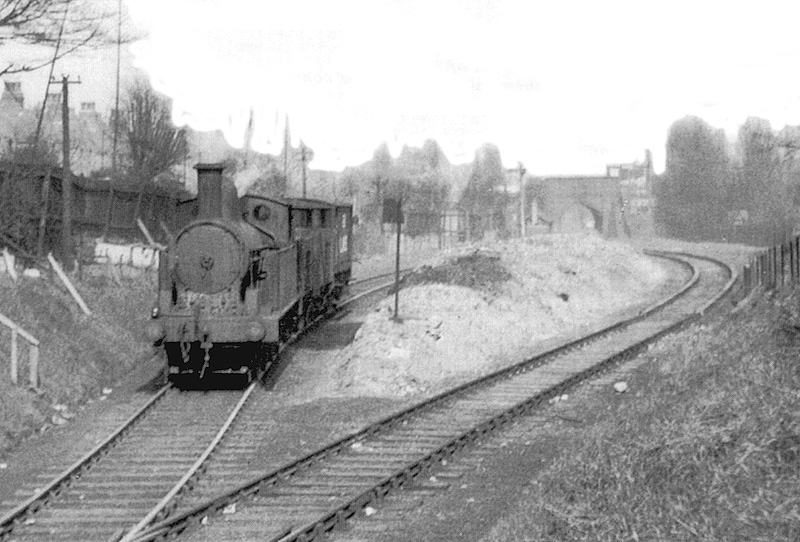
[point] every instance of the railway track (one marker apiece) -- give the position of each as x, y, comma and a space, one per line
132, 475
143, 466
159, 464
363, 287
311, 496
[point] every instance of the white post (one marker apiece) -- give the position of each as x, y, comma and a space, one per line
68, 284
9, 259
33, 352
14, 352
33, 365
146, 232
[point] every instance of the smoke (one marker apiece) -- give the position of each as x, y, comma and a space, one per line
245, 178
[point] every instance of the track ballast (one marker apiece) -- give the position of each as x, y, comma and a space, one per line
309, 497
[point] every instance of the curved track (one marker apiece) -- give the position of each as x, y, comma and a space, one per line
364, 287
311, 496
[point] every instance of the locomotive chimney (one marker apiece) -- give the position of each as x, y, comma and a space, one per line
209, 190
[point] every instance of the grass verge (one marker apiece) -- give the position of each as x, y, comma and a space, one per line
709, 450
79, 355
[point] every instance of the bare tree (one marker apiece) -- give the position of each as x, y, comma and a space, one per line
23, 219
71, 24
154, 144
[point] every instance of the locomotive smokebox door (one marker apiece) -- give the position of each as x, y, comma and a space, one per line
209, 257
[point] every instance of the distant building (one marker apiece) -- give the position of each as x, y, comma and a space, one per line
636, 183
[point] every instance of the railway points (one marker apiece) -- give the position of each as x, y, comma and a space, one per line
247, 435
443, 451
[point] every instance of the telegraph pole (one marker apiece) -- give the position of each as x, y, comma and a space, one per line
521, 201
46, 181
303, 158
287, 144
50, 79
116, 96
68, 253
115, 122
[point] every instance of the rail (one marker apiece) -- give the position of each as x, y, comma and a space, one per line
33, 352
20, 512
172, 525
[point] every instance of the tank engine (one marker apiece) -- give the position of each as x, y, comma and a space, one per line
243, 277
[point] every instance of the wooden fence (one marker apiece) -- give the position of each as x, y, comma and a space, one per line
100, 207
773, 268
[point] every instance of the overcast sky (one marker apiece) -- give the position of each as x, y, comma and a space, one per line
564, 87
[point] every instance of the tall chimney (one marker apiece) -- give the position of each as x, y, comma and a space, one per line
209, 190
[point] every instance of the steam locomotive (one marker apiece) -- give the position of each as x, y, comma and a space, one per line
244, 276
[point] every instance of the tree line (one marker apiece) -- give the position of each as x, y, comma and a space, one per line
713, 189
151, 147
429, 186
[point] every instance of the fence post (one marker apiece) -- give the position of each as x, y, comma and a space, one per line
33, 365
14, 354
786, 253
770, 268
774, 267
783, 263
797, 258
756, 271
745, 280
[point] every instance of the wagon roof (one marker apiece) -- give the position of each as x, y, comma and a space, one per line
279, 201
305, 203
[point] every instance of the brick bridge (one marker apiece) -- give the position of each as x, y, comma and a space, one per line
618, 204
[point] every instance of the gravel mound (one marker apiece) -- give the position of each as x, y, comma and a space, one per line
481, 309
479, 270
